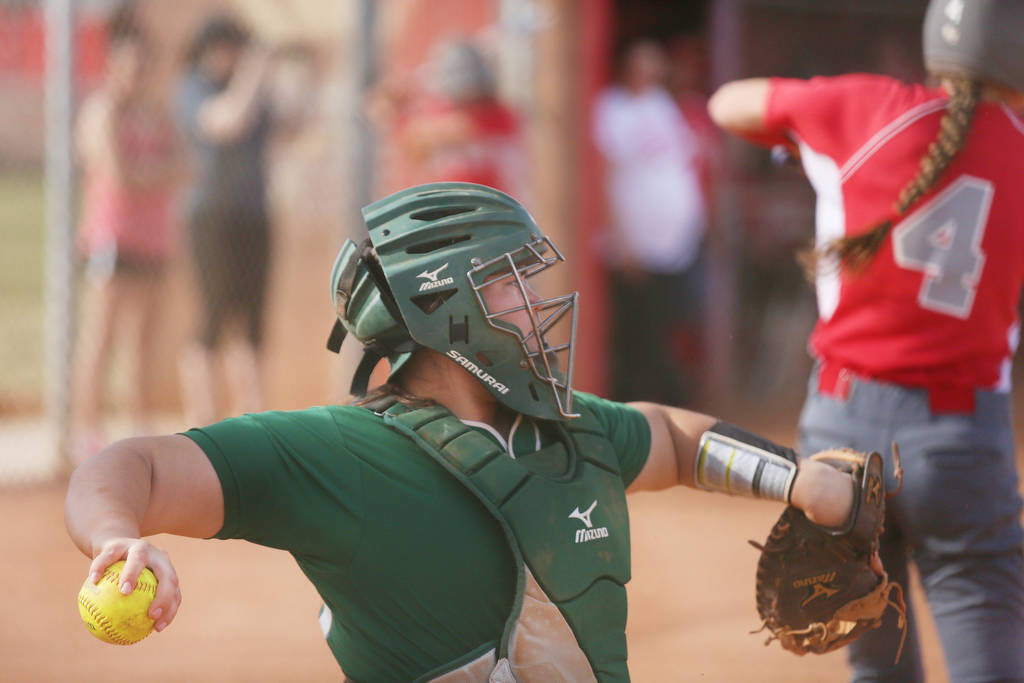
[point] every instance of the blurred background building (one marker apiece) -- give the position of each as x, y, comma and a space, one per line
547, 59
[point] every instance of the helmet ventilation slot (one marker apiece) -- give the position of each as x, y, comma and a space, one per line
458, 331
533, 392
480, 356
428, 303
434, 245
442, 212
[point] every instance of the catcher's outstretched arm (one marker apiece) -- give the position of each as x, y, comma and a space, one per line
822, 492
135, 488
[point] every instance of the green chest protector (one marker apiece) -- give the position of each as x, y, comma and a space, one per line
568, 532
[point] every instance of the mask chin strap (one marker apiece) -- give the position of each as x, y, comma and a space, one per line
345, 284
338, 333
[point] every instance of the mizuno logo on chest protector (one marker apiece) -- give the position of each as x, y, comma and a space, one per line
590, 533
583, 516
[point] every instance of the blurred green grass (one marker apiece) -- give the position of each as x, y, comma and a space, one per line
22, 241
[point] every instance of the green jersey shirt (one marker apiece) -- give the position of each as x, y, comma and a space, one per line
415, 571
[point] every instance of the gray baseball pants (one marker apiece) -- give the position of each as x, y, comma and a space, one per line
958, 518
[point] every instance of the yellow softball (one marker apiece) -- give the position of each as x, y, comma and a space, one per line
113, 617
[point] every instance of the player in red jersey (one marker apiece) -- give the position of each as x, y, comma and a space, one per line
919, 266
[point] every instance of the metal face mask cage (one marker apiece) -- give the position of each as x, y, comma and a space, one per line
541, 357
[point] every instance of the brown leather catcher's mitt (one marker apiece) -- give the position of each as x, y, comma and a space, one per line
816, 588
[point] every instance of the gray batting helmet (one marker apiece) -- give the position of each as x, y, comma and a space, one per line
980, 38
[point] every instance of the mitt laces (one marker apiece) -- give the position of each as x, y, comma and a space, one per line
899, 604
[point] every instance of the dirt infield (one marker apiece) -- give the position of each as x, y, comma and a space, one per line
249, 615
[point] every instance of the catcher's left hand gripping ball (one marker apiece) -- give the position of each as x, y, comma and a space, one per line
818, 589
113, 617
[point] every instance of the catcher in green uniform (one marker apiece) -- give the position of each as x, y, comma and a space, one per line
466, 521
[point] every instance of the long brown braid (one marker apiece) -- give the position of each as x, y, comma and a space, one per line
855, 252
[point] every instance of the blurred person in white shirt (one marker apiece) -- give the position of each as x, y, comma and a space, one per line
657, 220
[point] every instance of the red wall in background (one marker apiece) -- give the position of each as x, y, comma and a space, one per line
23, 46
593, 48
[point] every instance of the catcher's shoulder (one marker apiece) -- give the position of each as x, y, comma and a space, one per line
325, 420
595, 412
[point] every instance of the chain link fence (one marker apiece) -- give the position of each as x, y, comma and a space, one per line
26, 439
172, 192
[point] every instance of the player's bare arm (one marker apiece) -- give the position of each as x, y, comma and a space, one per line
229, 115
136, 488
821, 491
739, 106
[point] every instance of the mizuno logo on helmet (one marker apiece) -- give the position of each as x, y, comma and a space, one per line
476, 370
431, 279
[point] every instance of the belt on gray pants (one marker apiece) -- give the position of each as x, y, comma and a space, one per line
834, 380
879, 396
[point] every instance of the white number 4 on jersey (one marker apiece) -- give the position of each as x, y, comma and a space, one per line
942, 239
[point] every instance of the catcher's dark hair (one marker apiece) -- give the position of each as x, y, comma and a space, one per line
855, 252
219, 29
392, 391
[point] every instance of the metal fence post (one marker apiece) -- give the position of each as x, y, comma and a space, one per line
59, 326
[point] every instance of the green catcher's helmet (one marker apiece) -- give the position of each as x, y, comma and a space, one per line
420, 281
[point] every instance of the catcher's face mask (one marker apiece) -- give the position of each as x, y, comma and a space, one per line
448, 266
544, 328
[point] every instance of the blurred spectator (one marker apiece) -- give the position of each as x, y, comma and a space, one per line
127, 147
656, 225
225, 112
456, 128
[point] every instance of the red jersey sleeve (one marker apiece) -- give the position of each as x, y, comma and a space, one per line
834, 115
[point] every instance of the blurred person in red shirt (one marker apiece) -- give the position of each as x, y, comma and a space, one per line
128, 149
456, 128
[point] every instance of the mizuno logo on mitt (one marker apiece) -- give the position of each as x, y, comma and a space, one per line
811, 580
820, 590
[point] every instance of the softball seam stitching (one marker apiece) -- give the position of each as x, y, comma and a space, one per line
103, 622
113, 576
